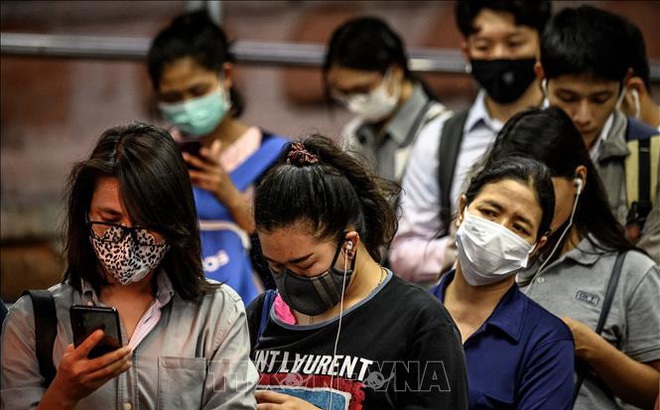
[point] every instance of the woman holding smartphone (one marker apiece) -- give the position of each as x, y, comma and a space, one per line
132, 243
191, 69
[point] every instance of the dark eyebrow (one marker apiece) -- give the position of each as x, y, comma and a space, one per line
109, 211
292, 261
493, 204
518, 216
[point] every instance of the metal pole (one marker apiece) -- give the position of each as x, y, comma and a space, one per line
425, 60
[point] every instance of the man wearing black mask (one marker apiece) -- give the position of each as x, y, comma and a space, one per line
501, 45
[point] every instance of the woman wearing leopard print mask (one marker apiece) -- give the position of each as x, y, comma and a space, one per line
132, 242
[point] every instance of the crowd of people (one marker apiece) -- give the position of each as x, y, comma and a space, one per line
502, 257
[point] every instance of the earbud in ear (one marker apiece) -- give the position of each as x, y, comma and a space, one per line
349, 246
579, 183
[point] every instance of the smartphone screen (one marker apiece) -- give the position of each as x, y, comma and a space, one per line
190, 146
85, 320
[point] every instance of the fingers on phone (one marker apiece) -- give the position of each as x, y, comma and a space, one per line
112, 361
88, 344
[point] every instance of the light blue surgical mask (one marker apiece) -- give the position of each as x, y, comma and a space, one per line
198, 116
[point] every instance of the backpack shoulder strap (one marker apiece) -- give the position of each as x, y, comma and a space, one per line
45, 331
450, 143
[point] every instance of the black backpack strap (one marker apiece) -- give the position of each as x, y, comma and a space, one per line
45, 331
644, 150
451, 137
612, 284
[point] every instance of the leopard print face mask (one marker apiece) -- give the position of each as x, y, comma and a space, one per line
128, 261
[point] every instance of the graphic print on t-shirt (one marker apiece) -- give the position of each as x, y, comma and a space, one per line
315, 378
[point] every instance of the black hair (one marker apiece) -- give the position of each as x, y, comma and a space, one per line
370, 44
638, 59
585, 41
534, 13
196, 36
527, 171
548, 135
366, 43
155, 190
329, 196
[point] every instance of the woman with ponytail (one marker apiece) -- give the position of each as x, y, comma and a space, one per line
340, 328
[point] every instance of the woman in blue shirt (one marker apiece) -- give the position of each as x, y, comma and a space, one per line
518, 354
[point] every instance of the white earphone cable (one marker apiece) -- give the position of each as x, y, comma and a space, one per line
561, 239
341, 314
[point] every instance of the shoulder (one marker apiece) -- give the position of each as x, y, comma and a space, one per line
221, 306
543, 325
352, 126
272, 140
637, 130
420, 306
62, 296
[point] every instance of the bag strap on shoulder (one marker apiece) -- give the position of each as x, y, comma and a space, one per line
604, 312
451, 137
269, 299
45, 331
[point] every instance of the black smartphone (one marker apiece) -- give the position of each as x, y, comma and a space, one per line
85, 320
192, 147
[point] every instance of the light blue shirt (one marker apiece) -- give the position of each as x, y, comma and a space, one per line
192, 356
416, 253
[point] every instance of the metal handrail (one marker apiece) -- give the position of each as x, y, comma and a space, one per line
431, 60
247, 52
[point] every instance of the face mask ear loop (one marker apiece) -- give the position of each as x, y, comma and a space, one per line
341, 314
561, 238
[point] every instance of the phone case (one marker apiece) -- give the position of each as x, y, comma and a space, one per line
85, 320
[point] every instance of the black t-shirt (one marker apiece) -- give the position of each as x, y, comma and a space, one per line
398, 349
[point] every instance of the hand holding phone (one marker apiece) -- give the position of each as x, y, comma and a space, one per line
85, 320
190, 147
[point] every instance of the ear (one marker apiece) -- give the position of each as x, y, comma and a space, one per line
581, 172
352, 238
538, 69
465, 50
228, 72
539, 245
461, 210
636, 83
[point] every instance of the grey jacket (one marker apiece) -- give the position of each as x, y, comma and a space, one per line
612, 171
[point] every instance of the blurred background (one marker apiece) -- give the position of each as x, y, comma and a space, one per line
55, 102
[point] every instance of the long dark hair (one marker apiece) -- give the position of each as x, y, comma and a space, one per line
329, 195
368, 44
196, 36
156, 191
548, 135
525, 170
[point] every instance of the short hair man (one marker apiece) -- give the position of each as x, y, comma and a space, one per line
585, 65
501, 44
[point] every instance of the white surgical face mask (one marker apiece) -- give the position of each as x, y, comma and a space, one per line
489, 252
377, 104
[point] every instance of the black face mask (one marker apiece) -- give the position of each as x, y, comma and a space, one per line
505, 81
313, 295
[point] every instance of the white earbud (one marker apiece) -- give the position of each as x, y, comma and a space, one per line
349, 245
578, 182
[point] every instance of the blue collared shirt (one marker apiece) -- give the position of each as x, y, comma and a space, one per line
521, 357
